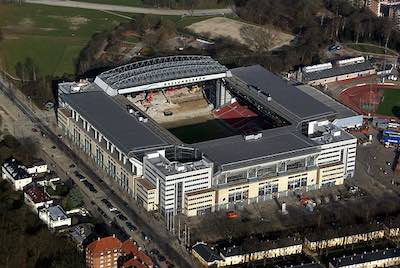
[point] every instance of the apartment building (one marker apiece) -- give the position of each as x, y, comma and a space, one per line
173, 179
110, 252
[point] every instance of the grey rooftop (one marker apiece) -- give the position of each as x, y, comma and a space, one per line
275, 144
337, 71
106, 115
366, 257
286, 99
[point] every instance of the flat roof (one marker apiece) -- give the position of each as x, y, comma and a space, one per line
56, 212
287, 96
207, 253
275, 144
113, 121
366, 257
342, 110
337, 71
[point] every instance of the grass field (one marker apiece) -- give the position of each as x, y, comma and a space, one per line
391, 100
370, 48
51, 36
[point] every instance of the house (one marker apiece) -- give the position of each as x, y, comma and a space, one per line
16, 173
54, 217
36, 197
37, 166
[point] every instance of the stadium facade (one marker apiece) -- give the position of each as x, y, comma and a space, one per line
307, 151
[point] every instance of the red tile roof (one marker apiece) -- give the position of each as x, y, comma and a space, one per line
133, 263
130, 247
37, 194
103, 245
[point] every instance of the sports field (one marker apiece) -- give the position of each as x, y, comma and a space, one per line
51, 36
390, 104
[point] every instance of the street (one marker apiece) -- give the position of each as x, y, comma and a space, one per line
138, 10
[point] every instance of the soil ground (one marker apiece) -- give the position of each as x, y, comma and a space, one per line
227, 28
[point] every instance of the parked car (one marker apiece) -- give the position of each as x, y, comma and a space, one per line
108, 205
154, 251
122, 217
130, 226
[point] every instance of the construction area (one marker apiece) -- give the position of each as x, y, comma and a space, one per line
175, 106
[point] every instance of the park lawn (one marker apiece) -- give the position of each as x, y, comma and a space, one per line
370, 48
51, 36
391, 99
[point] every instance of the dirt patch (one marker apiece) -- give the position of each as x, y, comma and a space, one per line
254, 37
76, 22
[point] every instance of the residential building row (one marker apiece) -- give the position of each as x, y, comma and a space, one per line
215, 256
31, 179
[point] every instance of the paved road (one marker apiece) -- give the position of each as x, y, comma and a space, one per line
130, 9
164, 241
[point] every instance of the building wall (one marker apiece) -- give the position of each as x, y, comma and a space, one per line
35, 206
172, 188
148, 198
264, 254
200, 202
44, 216
344, 240
104, 154
17, 184
331, 175
340, 78
37, 169
106, 259
340, 152
270, 187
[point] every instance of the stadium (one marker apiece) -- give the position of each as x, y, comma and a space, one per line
184, 134
381, 100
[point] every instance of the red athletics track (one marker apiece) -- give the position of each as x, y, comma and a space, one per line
365, 94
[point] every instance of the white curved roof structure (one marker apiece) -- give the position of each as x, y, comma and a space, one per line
160, 73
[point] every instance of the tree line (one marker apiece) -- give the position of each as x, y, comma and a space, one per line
25, 241
316, 24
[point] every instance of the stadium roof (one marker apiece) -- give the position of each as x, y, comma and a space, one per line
286, 99
105, 114
343, 111
160, 70
276, 144
337, 71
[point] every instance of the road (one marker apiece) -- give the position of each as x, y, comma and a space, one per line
164, 241
130, 9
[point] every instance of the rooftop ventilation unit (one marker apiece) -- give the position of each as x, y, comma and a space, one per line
351, 61
318, 67
253, 136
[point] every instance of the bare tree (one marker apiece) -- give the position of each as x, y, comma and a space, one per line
259, 39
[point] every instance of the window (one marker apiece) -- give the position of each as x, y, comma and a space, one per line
268, 189
238, 196
297, 183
